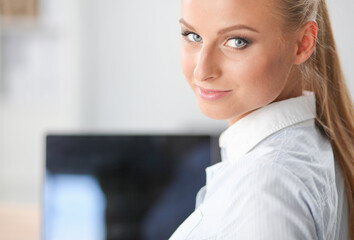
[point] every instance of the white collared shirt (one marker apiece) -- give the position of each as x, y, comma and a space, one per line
277, 180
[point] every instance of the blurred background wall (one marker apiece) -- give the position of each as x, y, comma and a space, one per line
101, 66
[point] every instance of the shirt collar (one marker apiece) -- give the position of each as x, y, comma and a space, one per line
247, 132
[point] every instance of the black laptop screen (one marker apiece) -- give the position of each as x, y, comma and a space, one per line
122, 187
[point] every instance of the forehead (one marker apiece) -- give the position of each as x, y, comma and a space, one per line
215, 14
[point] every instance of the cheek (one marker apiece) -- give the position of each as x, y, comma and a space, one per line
261, 75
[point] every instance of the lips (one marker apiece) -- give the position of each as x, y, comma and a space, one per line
211, 94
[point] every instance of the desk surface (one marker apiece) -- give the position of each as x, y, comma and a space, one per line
18, 222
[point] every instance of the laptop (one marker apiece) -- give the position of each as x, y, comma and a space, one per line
122, 187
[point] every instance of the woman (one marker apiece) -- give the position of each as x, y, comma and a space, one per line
270, 68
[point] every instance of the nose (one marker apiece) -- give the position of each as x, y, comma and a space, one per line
207, 66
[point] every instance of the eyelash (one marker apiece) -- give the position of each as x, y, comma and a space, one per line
186, 33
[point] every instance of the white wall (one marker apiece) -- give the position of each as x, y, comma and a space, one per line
121, 72
37, 101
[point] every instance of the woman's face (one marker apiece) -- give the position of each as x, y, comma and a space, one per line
234, 57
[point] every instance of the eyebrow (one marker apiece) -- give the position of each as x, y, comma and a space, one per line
224, 30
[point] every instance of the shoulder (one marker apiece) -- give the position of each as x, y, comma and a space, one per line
296, 168
300, 151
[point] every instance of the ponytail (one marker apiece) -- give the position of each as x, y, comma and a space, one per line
335, 113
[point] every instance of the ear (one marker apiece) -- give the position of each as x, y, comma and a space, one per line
306, 42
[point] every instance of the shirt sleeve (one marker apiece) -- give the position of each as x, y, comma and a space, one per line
272, 203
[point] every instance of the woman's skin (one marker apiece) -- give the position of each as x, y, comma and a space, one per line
250, 74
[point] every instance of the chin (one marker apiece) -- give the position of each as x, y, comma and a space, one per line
215, 112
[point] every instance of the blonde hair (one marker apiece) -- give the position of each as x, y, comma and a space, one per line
323, 75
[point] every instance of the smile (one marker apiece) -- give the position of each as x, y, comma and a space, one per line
211, 94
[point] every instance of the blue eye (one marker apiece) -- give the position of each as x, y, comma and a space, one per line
193, 37
237, 43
